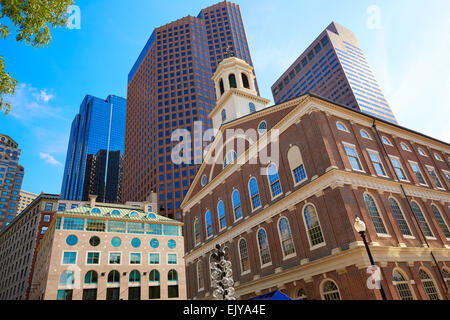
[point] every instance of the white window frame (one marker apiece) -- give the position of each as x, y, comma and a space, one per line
421, 152
342, 124
349, 145
388, 141
159, 259
445, 172
442, 216
259, 249
176, 258
270, 186
438, 157
381, 235
240, 257
140, 259
405, 147
317, 246
370, 151
404, 218
401, 166
250, 194
426, 220
69, 264
437, 177
421, 173
224, 215
363, 130
99, 258
286, 257
115, 264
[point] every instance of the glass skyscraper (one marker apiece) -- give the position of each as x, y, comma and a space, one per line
100, 125
170, 87
334, 67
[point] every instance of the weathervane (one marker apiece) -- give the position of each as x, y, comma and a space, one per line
229, 52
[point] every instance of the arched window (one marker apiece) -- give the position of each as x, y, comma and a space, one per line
422, 221
154, 289
330, 291
95, 211
230, 158
222, 87
172, 288
364, 134
243, 253
296, 164
428, 285
237, 205
154, 276
196, 231
398, 214
67, 278
274, 181
405, 147
313, 225
440, 220
341, 126
221, 215
446, 275
403, 287
135, 276
254, 193
421, 152
386, 141
208, 223
91, 277
200, 277
374, 214
263, 245
252, 107
224, 115
114, 277
301, 295
245, 81
232, 79
287, 242
172, 275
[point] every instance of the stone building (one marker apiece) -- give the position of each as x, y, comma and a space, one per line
18, 242
288, 222
110, 252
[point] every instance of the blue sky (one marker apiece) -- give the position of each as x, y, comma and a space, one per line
406, 43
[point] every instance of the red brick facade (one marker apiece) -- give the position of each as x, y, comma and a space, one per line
337, 191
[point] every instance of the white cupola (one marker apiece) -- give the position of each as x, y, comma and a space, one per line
235, 91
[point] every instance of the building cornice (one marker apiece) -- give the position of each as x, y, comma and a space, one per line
333, 179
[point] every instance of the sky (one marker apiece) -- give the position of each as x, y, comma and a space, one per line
406, 43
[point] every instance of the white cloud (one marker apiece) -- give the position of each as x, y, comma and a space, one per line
50, 159
29, 103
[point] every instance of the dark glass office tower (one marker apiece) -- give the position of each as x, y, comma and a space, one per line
335, 67
100, 125
170, 87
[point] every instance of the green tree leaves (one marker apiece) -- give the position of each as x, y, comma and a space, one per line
32, 20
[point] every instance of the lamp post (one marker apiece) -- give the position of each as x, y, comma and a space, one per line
360, 227
222, 276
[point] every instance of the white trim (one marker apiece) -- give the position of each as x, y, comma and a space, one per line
405, 147
224, 216
286, 257
319, 245
250, 194
401, 166
420, 171
340, 123
352, 146
93, 264
388, 141
421, 152
270, 186
369, 135
109, 258
240, 206
370, 151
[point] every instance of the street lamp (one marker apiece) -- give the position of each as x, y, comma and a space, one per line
360, 227
222, 276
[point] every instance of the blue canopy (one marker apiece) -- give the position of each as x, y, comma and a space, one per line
276, 295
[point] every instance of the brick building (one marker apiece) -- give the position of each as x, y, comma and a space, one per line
18, 242
289, 224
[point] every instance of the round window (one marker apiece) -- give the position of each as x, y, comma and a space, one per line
152, 216
136, 243
154, 243
94, 241
262, 128
116, 242
171, 244
72, 240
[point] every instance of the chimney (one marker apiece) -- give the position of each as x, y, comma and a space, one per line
92, 199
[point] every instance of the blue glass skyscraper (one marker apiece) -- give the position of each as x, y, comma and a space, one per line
100, 125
